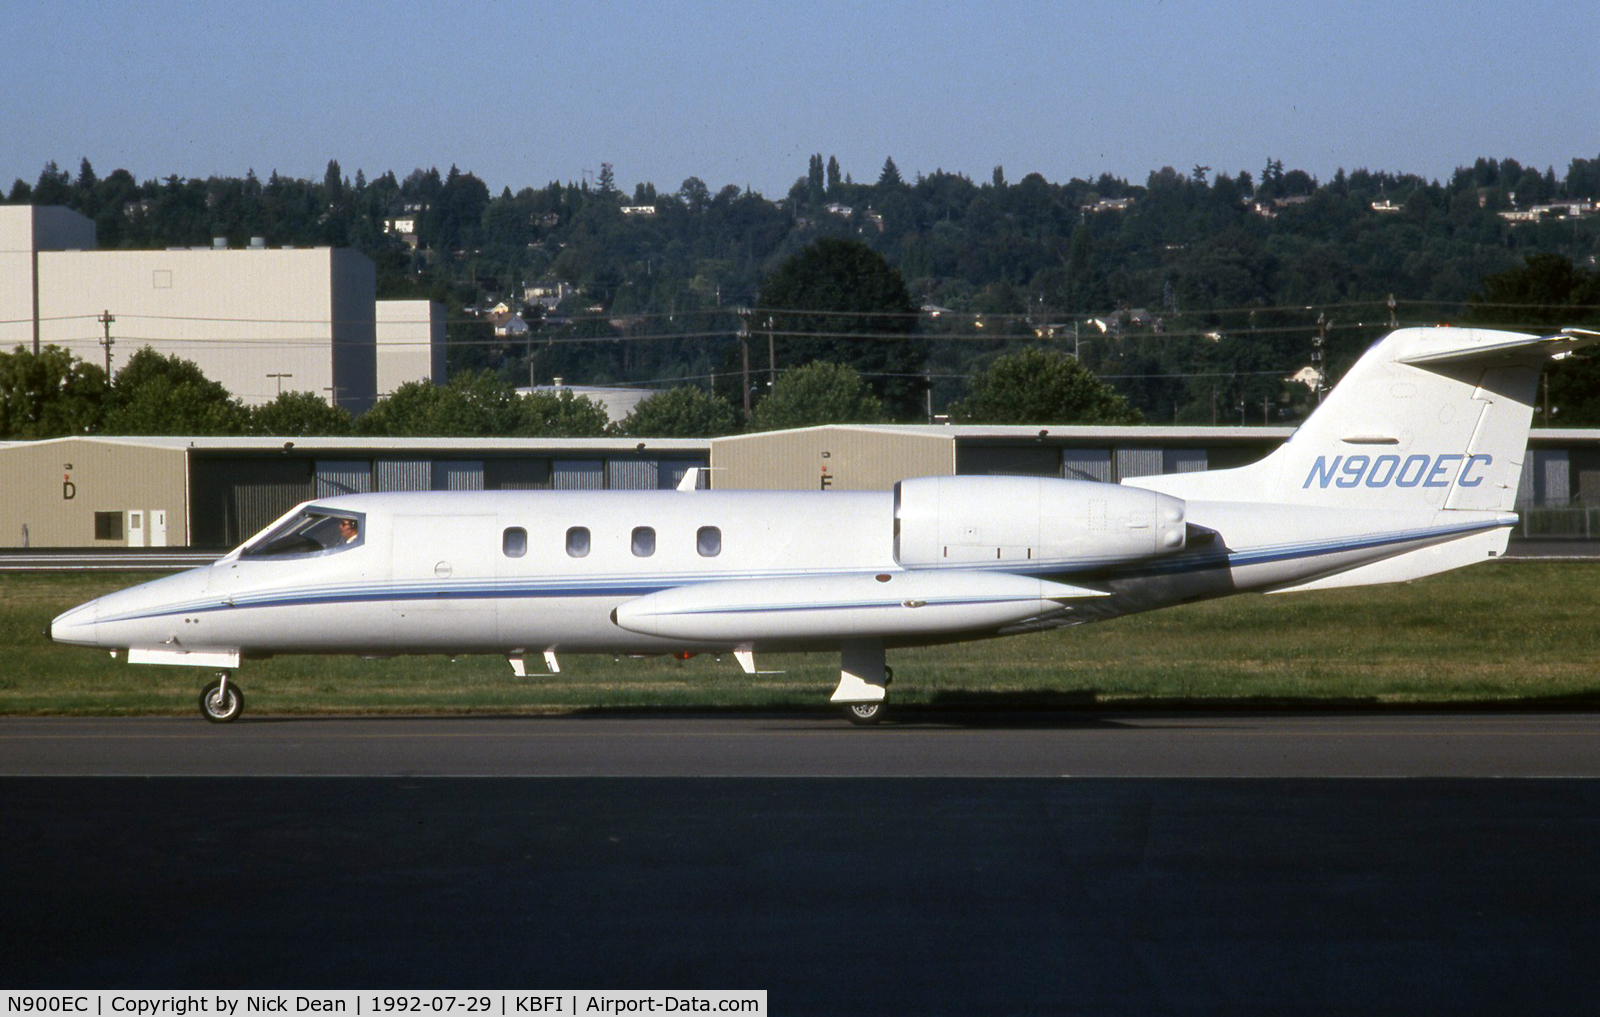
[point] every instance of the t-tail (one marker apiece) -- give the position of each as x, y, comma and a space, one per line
1427, 418
1431, 424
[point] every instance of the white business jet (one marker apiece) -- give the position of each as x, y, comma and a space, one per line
1410, 467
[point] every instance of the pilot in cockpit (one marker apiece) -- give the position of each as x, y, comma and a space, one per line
348, 531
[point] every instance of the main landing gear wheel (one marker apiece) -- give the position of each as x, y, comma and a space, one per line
864, 679
864, 713
221, 701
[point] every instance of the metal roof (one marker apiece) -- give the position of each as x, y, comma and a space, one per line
1013, 432
1139, 432
962, 432
356, 443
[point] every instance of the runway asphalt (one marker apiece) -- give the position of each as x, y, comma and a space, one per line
983, 863
821, 744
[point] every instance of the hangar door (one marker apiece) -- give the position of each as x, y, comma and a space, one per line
236, 498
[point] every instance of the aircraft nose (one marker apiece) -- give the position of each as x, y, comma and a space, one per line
77, 626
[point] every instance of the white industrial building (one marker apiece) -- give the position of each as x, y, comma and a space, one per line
259, 320
411, 343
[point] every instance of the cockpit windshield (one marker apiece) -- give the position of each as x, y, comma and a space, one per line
311, 531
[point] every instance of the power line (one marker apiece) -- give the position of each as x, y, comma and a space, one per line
756, 312
322, 342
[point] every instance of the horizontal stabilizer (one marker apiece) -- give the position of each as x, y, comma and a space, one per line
1538, 348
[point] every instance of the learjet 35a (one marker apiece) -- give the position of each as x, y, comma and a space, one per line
1410, 467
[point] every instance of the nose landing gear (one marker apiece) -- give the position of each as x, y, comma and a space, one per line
221, 701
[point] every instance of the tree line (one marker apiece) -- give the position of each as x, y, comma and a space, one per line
1193, 294
52, 394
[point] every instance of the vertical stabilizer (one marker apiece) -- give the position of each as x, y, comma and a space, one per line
1428, 418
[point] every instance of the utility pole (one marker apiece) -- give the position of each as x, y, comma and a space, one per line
280, 378
531, 375
744, 345
772, 360
106, 318
1318, 355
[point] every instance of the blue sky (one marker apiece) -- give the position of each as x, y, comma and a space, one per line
525, 93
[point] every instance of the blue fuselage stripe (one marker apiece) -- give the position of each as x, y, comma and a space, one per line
623, 587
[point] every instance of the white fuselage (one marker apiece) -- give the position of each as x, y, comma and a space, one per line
442, 573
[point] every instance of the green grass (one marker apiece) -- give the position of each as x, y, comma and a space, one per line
1501, 633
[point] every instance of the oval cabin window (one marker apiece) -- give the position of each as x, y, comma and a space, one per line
514, 542
644, 541
708, 541
578, 541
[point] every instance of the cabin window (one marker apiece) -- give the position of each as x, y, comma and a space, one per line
644, 541
514, 542
578, 542
708, 541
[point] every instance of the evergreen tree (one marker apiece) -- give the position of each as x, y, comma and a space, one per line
54, 186
815, 195
333, 183
890, 176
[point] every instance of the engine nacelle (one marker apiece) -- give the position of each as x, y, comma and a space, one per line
965, 521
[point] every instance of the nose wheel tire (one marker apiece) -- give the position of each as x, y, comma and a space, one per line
864, 713
221, 702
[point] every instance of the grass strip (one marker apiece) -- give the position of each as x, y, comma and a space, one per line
1500, 634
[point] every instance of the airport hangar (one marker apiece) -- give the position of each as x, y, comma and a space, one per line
258, 320
212, 493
